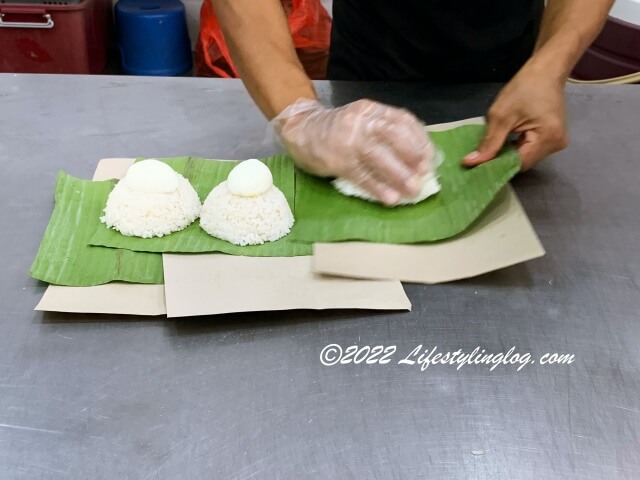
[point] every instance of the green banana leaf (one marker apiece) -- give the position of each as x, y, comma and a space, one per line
204, 175
325, 215
64, 258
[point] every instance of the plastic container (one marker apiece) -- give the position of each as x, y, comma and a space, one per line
61, 37
152, 37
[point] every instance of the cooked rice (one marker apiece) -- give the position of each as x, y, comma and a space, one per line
246, 220
146, 215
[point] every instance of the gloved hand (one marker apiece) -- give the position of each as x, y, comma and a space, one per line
381, 148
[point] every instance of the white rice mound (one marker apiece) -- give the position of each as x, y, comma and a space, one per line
151, 214
429, 186
246, 220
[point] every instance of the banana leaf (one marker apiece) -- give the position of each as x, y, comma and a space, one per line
325, 215
322, 214
64, 258
204, 175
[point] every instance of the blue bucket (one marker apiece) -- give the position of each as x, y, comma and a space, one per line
152, 37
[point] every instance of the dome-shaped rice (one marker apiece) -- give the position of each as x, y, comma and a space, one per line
246, 220
151, 214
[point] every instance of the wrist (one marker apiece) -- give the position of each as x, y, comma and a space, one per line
288, 93
555, 58
294, 113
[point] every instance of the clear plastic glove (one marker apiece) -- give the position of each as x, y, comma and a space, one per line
382, 149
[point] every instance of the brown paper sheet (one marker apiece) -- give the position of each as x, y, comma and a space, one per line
109, 168
439, 127
112, 298
210, 284
502, 237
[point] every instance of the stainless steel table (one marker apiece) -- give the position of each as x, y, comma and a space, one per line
246, 396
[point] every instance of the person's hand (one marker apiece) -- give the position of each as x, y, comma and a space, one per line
383, 149
531, 104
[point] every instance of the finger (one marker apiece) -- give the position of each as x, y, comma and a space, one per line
534, 146
409, 145
364, 178
497, 130
387, 168
530, 149
406, 121
368, 109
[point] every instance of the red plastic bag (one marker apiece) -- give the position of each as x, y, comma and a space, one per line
310, 26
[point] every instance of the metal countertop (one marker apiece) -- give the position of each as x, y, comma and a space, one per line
246, 396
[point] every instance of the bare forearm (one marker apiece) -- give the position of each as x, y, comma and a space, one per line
258, 38
568, 28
